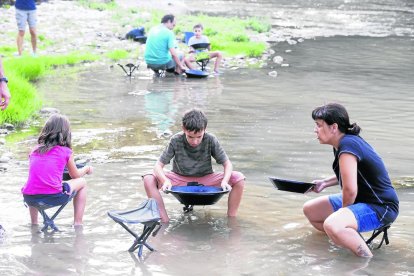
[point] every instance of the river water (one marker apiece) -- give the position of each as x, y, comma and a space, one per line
358, 53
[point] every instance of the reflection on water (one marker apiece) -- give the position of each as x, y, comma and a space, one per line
265, 126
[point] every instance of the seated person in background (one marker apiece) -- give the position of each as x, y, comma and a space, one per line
200, 38
191, 151
160, 52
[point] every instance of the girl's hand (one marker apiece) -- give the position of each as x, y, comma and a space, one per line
89, 170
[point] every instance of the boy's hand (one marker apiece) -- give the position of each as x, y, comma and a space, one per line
166, 186
225, 186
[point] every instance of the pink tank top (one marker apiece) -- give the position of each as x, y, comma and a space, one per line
46, 171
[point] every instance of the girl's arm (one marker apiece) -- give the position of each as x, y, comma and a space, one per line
74, 172
348, 166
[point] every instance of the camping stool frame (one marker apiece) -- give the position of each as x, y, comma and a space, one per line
49, 221
131, 67
376, 233
141, 240
147, 214
203, 63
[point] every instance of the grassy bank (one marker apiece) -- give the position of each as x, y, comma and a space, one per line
231, 35
21, 73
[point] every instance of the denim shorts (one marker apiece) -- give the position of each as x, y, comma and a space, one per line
366, 217
25, 16
166, 66
49, 199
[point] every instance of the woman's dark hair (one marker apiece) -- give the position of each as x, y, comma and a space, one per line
167, 17
55, 132
194, 120
335, 113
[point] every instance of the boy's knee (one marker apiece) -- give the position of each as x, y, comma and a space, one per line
240, 184
149, 180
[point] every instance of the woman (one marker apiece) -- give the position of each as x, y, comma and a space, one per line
368, 200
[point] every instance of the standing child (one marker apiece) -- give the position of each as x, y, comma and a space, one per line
199, 38
47, 163
191, 151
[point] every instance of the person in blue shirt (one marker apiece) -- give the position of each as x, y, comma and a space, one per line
368, 199
26, 13
160, 50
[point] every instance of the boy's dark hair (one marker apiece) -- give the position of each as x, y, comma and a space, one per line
55, 132
194, 120
198, 26
335, 113
167, 17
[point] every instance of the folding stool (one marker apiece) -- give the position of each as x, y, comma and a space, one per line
36, 202
146, 213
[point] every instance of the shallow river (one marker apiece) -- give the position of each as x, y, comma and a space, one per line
264, 124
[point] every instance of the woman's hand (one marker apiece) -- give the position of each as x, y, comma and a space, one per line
320, 185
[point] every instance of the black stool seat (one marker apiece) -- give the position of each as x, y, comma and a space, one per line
377, 232
131, 67
147, 214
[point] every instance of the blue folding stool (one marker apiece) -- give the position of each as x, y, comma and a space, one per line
38, 202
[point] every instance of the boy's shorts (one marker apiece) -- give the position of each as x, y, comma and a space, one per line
213, 179
50, 199
25, 16
366, 217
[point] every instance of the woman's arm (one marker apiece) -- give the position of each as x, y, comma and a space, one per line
321, 184
348, 167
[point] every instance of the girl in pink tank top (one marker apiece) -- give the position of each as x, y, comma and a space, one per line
47, 163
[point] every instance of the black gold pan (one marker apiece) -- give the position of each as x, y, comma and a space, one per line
291, 185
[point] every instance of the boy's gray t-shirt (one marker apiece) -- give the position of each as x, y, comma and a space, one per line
193, 161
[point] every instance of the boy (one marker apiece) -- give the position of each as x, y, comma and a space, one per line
191, 151
200, 38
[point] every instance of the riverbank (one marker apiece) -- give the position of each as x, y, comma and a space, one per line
68, 26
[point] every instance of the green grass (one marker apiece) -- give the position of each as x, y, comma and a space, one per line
7, 50
21, 72
100, 6
117, 54
229, 35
